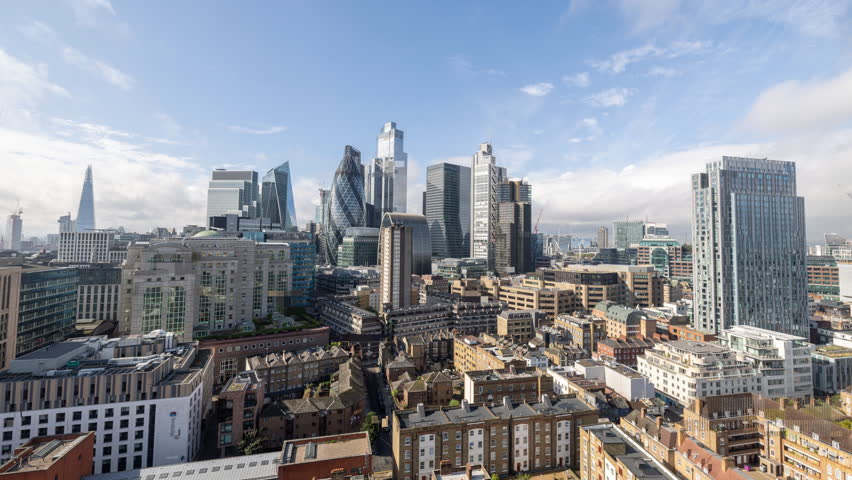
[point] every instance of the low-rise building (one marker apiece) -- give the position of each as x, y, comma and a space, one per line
551, 301
656, 436
824, 277
624, 322
68, 457
507, 437
237, 409
623, 351
417, 319
518, 325
606, 451
430, 349
330, 456
727, 425
474, 317
471, 353
345, 318
832, 368
488, 386
683, 371
287, 373
686, 332
585, 332
783, 360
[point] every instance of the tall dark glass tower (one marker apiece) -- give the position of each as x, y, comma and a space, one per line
448, 209
346, 205
277, 197
86, 210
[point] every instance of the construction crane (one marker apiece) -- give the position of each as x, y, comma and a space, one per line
535, 230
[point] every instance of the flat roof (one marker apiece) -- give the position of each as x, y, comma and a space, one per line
696, 347
263, 466
43, 454
329, 449
834, 351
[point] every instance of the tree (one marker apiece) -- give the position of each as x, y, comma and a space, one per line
494, 476
454, 403
251, 443
523, 476
371, 426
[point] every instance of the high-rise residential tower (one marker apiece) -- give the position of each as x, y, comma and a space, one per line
396, 245
233, 192
603, 237
448, 209
628, 233
346, 201
66, 225
277, 197
749, 250
486, 177
86, 211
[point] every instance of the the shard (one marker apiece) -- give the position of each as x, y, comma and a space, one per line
86, 211
346, 205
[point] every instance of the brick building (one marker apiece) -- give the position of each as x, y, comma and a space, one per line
472, 353
330, 456
520, 385
286, 373
69, 457
623, 351
237, 409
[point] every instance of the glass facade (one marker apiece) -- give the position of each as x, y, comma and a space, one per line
395, 164
486, 178
750, 254
360, 247
628, 234
86, 211
48, 307
234, 193
448, 209
346, 202
277, 197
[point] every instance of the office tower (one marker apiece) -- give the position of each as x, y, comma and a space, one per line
422, 243
486, 176
10, 294
749, 248
395, 263
628, 233
98, 291
513, 245
514, 191
395, 165
86, 211
656, 230
48, 306
277, 197
447, 209
232, 192
360, 247
346, 202
14, 227
65, 223
603, 237
84, 247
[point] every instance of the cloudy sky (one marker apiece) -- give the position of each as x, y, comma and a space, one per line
607, 107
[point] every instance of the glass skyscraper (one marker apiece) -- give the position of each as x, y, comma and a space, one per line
448, 209
232, 192
628, 233
386, 185
277, 197
749, 253
346, 201
86, 210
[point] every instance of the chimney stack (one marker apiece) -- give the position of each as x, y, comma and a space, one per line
659, 422
421, 410
727, 463
507, 402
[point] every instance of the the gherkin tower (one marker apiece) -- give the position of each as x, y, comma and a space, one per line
346, 205
86, 211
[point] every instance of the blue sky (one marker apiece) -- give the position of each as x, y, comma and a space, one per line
605, 106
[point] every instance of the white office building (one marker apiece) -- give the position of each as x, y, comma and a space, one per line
783, 360
84, 247
684, 370
486, 177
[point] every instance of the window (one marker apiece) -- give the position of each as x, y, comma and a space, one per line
93, 413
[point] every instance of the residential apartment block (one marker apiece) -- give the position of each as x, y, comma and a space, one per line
608, 452
472, 353
624, 322
10, 295
519, 384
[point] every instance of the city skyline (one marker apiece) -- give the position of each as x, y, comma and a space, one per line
604, 122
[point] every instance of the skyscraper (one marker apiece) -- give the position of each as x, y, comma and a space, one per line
390, 149
66, 225
346, 201
233, 192
603, 237
448, 209
749, 253
395, 263
628, 233
514, 228
86, 212
277, 197
14, 228
486, 177
421, 247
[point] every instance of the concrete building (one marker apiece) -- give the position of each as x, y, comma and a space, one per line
832, 368
725, 425
417, 319
625, 284
10, 296
395, 263
683, 370
345, 318
202, 285
505, 438
52, 457
584, 333
47, 306
14, 231
551, 301
144, 401
520, 385
233, 192
606, 451
783, 360
486, 177
462, 267
518, 325
603, 237
84, 247
824, 277
749, 247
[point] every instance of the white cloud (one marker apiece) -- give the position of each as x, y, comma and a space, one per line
87, 12
803, 106
494, 72
662, 72
107, 72
21, 87
618, 62
271, 130
648, 14
38, 31
460, 64
815, 18
135, 186
537, 89
613, 97
577, 80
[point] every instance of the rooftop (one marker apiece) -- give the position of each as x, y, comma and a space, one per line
756, 333
326, 448
833, 351
248, 467
695, 347
41, 453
